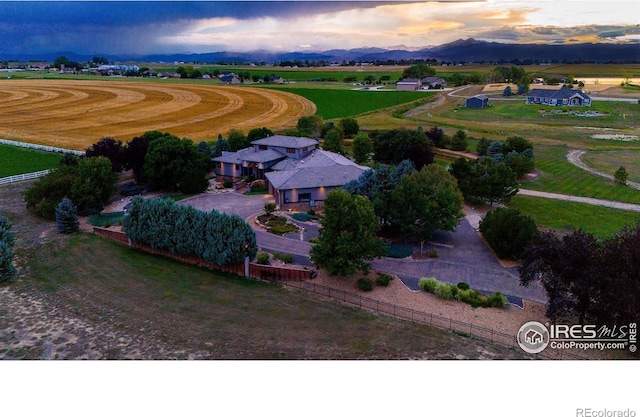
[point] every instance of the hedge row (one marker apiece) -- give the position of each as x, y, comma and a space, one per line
216, 237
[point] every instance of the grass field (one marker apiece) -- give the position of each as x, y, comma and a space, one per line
560, 176
334, 103
610, 161
601, 221
226, 316
14, 160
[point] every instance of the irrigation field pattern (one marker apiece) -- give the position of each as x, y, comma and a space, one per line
75, 114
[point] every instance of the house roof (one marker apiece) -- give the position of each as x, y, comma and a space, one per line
409, 81
480, 97
433, 80
250, 155
286, 141
563, 93
317, 158
314, 177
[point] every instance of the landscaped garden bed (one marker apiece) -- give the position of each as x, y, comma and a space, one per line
277, 225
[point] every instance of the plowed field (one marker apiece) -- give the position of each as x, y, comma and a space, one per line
75, 114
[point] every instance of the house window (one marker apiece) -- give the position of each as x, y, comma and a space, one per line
291, 150
218, 165
262, 147
304, 149
302, 197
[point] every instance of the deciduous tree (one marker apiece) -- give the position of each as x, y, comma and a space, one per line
347, 239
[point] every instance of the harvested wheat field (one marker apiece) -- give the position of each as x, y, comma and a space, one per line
75, 114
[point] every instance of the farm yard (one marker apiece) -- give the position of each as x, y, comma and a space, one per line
76, 114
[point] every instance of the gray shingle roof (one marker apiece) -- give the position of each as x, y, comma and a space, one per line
314, 177
561, 94
286, 141
249, 154
318, 158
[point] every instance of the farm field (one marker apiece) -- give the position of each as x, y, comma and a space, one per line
76, 114
339, 103
14, 160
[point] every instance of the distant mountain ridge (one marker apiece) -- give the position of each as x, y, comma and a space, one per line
462, 50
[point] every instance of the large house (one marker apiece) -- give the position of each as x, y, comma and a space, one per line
299, 173
477, 102
408, 84
561, 97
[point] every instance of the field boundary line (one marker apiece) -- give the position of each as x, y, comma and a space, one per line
39, 147
23, 177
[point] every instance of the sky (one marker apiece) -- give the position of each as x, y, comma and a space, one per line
151, 27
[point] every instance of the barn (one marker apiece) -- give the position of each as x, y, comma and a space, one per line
477, 102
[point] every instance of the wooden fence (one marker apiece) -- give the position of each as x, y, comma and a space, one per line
23, 177
266, 272
39, 147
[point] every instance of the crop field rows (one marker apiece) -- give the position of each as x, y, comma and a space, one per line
76, 114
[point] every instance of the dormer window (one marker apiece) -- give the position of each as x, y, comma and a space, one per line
291, 150
262, 147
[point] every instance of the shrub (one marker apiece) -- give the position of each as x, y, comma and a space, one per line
301, 217
365, 284
496, 300
383, 280
287, 258
276, 255
269, 208
472, 297
281, 229
463, 285
227, 184
263, 258
7, 270
433, 253
428, 284
443, 291
311, 212
314, 240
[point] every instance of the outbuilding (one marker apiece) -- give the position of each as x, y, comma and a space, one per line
477, 102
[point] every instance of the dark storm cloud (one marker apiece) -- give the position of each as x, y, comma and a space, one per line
126, 26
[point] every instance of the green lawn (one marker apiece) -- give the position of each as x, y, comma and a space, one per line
601, 221
560, 176
334, 103
15, 160
610, 161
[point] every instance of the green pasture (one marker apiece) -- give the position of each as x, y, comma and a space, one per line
610, 161
15, 160
556, 214
558, 175
333, 103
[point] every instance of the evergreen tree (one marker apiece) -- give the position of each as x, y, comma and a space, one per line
67, 217
221, 146
621, 176
7, 269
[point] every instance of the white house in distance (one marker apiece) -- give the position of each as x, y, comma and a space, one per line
300, 175
408, 84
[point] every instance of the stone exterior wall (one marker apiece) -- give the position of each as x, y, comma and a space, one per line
302, 207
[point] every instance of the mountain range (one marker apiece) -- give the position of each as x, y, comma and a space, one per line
468, 50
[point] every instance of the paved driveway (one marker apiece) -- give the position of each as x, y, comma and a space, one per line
470, 260
231, 202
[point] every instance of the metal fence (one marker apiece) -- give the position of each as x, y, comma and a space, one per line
39, 147
405, 313
23, 177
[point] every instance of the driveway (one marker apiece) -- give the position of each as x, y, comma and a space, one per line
469, 260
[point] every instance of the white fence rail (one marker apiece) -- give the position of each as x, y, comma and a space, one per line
23, 177
39, 147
